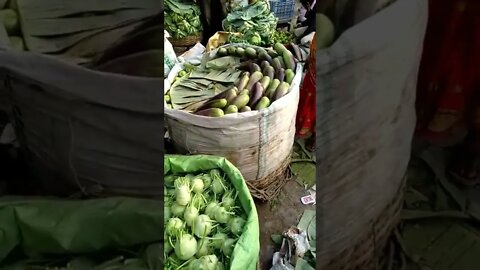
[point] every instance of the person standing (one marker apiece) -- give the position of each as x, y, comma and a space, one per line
305, 122
448, 97
309, 17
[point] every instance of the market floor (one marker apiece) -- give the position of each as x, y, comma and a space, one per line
441, 221
284, 212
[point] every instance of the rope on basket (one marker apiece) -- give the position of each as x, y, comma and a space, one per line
267, 188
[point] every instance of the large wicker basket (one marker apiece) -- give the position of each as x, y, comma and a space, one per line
268, 187
186, 41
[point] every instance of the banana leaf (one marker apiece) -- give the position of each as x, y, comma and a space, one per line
225, 76
223, 63
182, 96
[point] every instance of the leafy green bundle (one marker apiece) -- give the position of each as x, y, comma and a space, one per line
255, 23
182, 18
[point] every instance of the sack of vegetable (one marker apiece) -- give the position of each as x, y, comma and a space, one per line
210, 218
87, 131
182, 21
366, 132
244, 115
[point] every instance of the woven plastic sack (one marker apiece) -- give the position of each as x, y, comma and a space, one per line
366, 86
258, 142
246, 251
84, 130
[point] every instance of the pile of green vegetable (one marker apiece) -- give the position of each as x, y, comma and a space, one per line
234, 4
203, 221
261, 76
182, 18
11, 22
283, 37
255, 23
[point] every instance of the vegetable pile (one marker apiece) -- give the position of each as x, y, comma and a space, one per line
11, 22
203, 221
234, 4
255, 23
256, 77
182, 18
283, 37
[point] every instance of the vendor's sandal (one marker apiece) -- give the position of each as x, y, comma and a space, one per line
445, 131
465, 168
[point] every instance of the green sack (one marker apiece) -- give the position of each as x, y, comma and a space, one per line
246, 251
58, 227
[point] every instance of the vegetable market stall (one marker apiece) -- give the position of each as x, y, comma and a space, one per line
235, 103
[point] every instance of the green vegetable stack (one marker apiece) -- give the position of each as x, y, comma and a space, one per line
11, 22
255, 23
267, 76
234, 4
182, 18
283, 37
203, 221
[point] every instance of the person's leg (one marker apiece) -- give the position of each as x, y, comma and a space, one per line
465, 166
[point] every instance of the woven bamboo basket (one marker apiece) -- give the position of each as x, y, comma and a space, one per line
267, 188
186, 41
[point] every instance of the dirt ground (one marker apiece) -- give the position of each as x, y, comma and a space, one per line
278, 215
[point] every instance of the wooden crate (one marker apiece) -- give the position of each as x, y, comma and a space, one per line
80, 30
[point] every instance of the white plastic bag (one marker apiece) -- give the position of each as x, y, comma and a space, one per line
169, 55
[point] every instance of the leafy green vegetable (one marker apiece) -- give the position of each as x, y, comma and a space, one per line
283, 37
181, 18
255, 24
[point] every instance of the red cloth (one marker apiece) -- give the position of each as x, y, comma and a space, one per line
305, 124
449, 74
